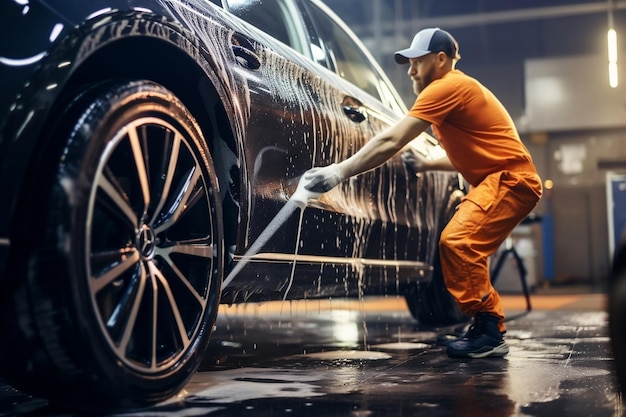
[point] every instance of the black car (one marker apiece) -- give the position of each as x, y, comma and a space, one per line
146, 144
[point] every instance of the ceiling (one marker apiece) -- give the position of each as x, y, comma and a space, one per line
487, 30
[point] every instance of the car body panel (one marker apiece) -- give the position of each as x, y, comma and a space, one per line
380, 226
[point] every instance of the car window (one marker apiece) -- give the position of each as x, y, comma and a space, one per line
278, 18
347, 57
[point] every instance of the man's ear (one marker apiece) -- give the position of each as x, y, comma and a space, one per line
442, 58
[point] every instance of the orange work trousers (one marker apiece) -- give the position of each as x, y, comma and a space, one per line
483, 220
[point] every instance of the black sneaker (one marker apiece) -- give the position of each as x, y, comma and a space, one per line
483, 339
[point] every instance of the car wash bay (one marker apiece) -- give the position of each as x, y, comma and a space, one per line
369, 358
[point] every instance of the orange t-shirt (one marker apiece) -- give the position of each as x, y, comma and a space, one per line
472, 125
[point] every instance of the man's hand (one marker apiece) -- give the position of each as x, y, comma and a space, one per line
415, 161
322, 179
316, 182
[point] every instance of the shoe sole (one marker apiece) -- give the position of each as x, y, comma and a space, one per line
497, 352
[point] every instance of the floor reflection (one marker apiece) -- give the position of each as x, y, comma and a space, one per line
356, 360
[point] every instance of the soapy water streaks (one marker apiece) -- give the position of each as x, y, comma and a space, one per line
373, 201
290, 81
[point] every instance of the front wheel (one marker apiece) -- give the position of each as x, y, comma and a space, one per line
116, 288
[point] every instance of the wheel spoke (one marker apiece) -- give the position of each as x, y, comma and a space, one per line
183, 200
132, 317
172, 160
188, 249
180, 325
118, 199
127, 259
152, 269
138, 157
116, 317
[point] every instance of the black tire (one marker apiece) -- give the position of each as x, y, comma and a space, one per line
431, 304
617, 314
116, 278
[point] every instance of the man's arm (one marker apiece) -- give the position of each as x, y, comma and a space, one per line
383, 146
373, 154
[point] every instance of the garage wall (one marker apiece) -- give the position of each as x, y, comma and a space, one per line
577, 162
572, 93
580, 121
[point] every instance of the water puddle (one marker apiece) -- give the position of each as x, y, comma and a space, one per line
401, 346
347, 355
239, 385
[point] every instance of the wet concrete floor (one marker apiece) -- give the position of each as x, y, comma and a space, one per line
343, 358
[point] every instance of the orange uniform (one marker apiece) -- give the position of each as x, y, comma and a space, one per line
482, 143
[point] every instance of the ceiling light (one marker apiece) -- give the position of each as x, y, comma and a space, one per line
612, 44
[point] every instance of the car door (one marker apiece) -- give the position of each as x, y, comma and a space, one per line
301, 115
381, 201
316, 97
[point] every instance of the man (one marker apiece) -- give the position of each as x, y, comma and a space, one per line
482, 143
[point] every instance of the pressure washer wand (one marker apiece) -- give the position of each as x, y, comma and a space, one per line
299, 199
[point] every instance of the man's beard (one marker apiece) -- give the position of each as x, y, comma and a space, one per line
422, 82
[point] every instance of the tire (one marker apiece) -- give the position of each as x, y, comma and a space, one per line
116, 278
431, 304
617, 314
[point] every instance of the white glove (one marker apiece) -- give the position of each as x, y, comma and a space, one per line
317, 181
322, 179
